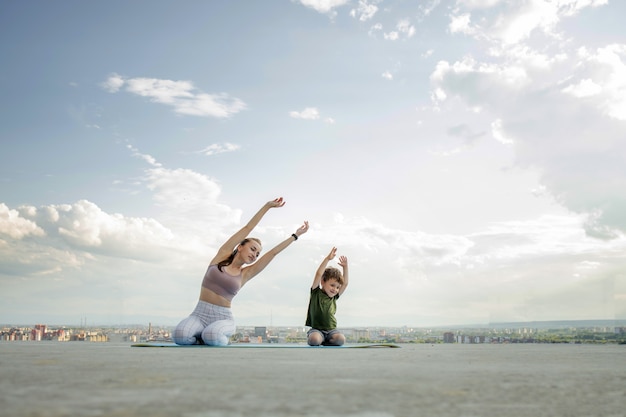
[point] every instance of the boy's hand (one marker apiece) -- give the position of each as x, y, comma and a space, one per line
332, 253
343, 261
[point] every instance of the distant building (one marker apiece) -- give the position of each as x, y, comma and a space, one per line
260, 332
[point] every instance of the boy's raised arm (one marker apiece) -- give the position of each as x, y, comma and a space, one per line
343, 263
320, 270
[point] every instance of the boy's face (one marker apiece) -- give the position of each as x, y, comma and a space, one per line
331, 287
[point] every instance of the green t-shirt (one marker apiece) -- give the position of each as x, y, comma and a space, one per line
322, 309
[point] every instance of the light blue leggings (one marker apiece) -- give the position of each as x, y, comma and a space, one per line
208, 323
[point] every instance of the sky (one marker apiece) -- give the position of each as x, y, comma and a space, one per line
467, 157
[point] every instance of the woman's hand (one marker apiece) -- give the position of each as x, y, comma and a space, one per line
302, 229
277, 202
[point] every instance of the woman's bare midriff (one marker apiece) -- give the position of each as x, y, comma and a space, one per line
209, 296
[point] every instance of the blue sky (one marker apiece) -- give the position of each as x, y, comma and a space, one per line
468, 157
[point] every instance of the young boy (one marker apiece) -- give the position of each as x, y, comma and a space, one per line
328, 285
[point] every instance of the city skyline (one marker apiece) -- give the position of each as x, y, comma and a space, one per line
468, 157
547, 324
597, 332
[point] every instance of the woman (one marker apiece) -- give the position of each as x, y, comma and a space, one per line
212, 322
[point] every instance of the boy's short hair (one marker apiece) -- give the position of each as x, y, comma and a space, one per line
332, 273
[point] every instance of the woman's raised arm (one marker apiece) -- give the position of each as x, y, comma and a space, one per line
227, 248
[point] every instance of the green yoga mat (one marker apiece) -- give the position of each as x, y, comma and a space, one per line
265, 345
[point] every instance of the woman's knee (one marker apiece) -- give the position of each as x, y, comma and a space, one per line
218, 333
215, 340
191, 340
187, 332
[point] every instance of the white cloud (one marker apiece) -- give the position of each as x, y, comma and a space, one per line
52, 240
571, 7
528, 57
392, 36
181, 95
323, 6
16, 226
161, 91
428, 8
179, 190
547, 235
214, 105
309, 113
217, 148
514, 22
498, 133
406, 28
438, 95
602, 75
375, 29
518, 26
364, 11
413, 250
113, 83
585, 88
539, 191
444, 278
387, 75
84, 225
147, 158
403, 28
471, 276
461, 24
478, 4
569, 138
477, 80
188, 202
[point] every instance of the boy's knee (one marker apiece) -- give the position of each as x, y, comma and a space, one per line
315, 339
337, 339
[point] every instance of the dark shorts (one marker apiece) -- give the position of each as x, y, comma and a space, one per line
327, 334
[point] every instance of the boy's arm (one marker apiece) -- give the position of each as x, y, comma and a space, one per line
343, 262
320, 270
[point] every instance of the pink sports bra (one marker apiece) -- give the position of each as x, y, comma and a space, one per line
221, 283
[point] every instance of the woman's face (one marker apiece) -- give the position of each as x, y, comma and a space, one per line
250, 251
